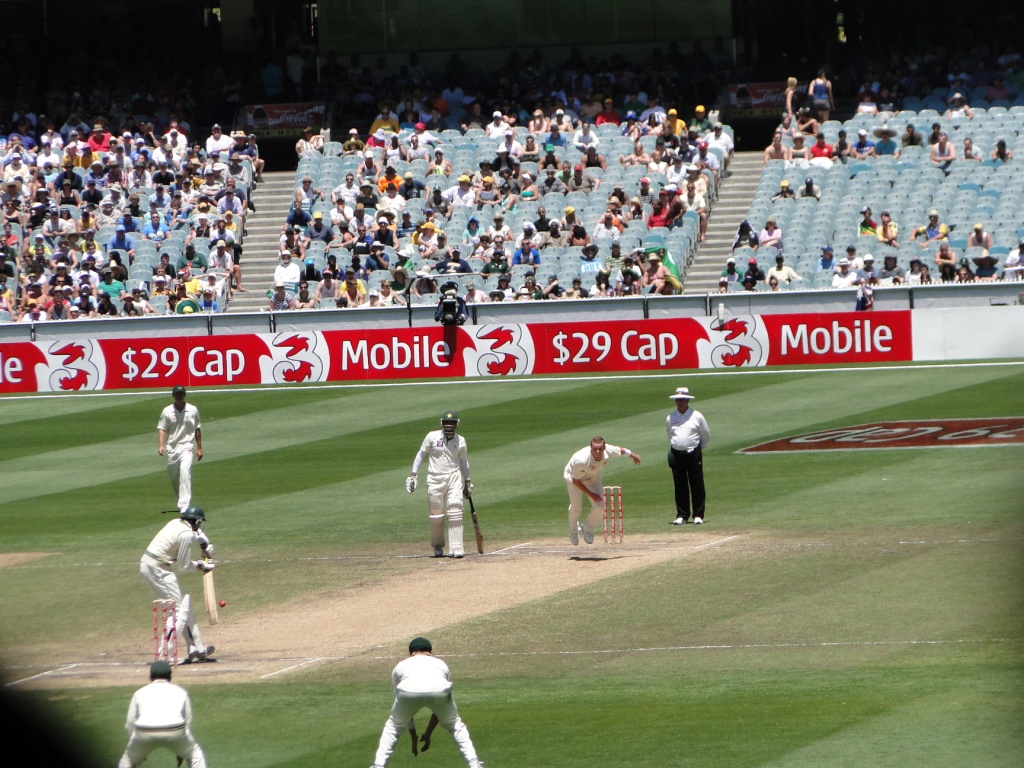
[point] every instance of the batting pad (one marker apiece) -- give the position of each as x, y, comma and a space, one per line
455, 537
437, 530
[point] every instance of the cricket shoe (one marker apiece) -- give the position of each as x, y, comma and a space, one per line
438, 551
698, 521
200, 654
679, 521
574, 534
458, 555
588, 535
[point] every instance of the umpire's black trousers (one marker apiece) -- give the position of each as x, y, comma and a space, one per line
688, 477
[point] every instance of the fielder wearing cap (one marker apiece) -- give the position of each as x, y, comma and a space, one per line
447, 482
583, 475
160, 715
178, 427
423, 681
688, 436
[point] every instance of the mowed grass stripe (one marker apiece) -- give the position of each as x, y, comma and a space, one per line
39, 413
268, 424
855, 489
113, 418
979, 728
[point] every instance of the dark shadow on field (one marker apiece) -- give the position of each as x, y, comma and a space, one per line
595, 558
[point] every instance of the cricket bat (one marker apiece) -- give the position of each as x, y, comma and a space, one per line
211, 597
476, 526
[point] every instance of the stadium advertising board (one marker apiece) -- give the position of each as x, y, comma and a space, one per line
507, 349
270, 121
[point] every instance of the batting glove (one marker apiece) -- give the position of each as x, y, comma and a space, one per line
467, 489
207, 550
410, 483
204, 565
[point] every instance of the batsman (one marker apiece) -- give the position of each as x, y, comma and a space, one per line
447, 483
169, 552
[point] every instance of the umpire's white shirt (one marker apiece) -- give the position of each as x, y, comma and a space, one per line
687, 430
180, 427
444, 457
583, 467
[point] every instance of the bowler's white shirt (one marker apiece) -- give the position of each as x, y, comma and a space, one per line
585, 468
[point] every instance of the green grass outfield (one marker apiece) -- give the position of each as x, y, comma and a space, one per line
861, 608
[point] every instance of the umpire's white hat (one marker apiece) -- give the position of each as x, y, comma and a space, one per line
681, 394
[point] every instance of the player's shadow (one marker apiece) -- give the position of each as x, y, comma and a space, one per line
594, 558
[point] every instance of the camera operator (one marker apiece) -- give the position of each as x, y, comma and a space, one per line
451, 308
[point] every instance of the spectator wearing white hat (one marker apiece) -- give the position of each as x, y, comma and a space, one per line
844, 277
280, 300
863, 148
497, 127
510, 144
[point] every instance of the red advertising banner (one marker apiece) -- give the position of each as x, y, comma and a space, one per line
440, 352
201, 361
848, 337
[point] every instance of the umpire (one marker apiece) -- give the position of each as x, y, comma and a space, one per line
688, 435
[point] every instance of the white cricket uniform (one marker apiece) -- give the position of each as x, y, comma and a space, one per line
180, 427
583, 467
160, 715
447, 475
423, 681
170, 551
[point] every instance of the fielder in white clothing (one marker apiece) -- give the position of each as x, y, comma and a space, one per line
170, 551
160, 715
447, 483
423, 681
177, 429
583, 476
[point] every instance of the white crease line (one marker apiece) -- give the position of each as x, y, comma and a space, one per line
301, 664
509, 549
525, 380
737, 647
962, 541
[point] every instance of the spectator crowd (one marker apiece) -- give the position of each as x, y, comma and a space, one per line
563, 206
104, 222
